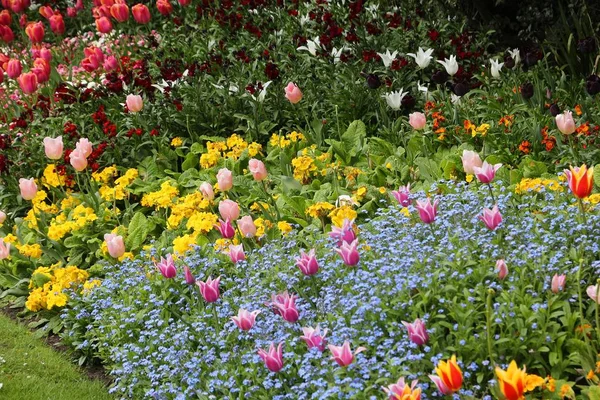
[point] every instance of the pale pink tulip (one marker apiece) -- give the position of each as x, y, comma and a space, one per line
396, 390
229, 209
417, 120
4, 249
565, 123
224, 179
293, 93
2, 217
470, 160
28, 188
53, 147
441, 386
246, 226
487, 172
84, 146
236, 253
491, 218
592, 291
78, 160
313, 338
207, 191
257, 169
134, 103
502, 269
115, 244
343, 354
558, 283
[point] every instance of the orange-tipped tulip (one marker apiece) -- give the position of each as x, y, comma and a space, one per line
450, 374
581, 180
515, 382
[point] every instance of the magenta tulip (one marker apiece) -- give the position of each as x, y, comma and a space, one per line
166, 266
427, 211
226, 229
284, 304
245, 319
491, 218
189, 277
273, 358
343, 234
313, 338
349, 253
343, 354
402, 195
487, 172
307, 263
417, 332
209, 289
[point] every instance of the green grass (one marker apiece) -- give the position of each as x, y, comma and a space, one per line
31, 370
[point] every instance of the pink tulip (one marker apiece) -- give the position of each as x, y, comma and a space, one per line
565, 123
396, 390
343, 354
502, 269
78, 160
166, 266
558, 283
427, 211
134, 103
349, 253
236, 253
71, 12
84, 146
53, 147
592, 291
245, 319
491, 218
417, 120
46, 54
28, 82
103, 25
273, 359
402, 195
209, 289
14, 68
293, 93
110, 64
57, 24
95, 53
343, 234
35, 31
487, 172
207, 191
2, 217
314, 338
224, 179
115, 244
257, 169
189, 277
308, 263
470, 160
229, 209
247, 227
28, 188
226, 229
417, 332
284, 304
4, 249
141, 13
441, 386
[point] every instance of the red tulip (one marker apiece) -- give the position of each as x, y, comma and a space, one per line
57, 24
120, 12
164, 7
35, 31
141, 13
28, 82
103, 25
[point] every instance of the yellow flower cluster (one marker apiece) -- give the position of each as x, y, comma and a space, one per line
67, 222
262, 225
105, 175
284, 141
48, 284
183, 243
593, 199
202, 222
304, 168
284, 227
52, 178
319, 209
177, 142
341, 213
537, 184
162, 198
473, 130
185, 207
119, 190
231, 149
30, 250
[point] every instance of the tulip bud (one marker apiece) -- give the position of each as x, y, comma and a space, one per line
293, 93
257, 169
565, 123
134, 103
14, 68
141, 13
115, 245
53, 147
207, 191
246, 226
209, 289
103, 25
78, 160
502, 269
189, 277
417, 120
558, 283
57, 24
28, 188
229, 210
224, 179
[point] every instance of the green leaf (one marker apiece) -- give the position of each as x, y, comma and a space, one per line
138, 231
191, 161
354, 137
290, 184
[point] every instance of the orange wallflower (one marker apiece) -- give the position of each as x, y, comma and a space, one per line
525, 147
583, 129
578, 110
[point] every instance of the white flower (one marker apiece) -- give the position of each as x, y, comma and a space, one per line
261, 96
345, 200
455, 99
496, 67
450, 64
394, 99
304, 19
311, 46
516, 55
423, 89
388, 57
336, 54
422, 58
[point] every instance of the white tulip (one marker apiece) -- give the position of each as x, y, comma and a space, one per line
496, 67
388, 57
394, 99
422, 58
311, 46
516, 55
450, 64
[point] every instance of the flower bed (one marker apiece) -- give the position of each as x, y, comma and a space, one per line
163, 339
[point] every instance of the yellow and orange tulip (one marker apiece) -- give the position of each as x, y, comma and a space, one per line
515, 382
409, 394
581, 180
450, 374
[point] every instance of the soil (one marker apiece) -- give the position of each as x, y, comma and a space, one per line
94, 371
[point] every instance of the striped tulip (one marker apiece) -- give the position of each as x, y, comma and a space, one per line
581, 180
515, 382
449, 375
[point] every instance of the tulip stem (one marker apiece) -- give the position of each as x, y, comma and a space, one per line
491, 193
218, 323
432, 231
581, 315
489, 324
582, 210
